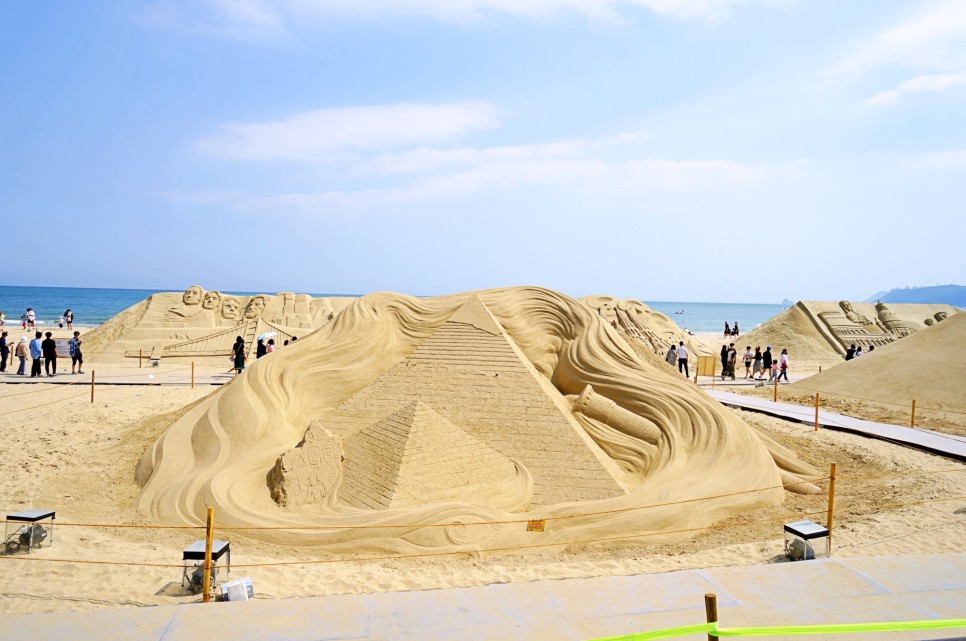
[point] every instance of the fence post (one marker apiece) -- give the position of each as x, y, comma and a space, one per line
775, 397
831, 504
192, 374
92, 386
912, 421
711, 612
140, 356
209, 535
816, 411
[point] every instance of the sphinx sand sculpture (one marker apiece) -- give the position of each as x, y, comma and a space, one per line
446, 423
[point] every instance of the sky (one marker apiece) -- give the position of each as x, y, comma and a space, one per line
685, 150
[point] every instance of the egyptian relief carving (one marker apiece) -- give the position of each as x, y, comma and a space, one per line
852, 315
893, 324
852, 328
311, 472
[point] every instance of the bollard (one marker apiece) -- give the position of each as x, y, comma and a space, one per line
711, 612
192, 374
816, 411
912, 421
209, 535
92, 386
831, 504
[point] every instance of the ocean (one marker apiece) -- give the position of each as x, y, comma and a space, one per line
93, 306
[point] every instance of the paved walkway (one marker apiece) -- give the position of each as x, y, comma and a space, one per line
856, 590
945, 444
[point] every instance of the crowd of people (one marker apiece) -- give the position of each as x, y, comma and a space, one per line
262, 348
41, 350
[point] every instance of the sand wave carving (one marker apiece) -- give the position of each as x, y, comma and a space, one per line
494, 406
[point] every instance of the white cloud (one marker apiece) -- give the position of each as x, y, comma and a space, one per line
273, 19
955, 159
931, 38
919, 84
322, 134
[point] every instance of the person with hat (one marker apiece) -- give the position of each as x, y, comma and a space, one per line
21, 353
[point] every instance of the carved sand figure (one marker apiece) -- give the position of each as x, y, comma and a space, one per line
255, 307
407, 386
940, 316
190, 302
231, 309
212, 300
892, 323
852, 315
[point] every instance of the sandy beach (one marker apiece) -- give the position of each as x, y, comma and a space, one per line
79, 458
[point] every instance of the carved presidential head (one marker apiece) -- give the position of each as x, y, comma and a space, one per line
193, 295
231, 308
212, 300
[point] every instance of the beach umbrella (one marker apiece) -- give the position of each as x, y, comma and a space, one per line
266, 335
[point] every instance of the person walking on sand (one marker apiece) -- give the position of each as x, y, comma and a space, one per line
35, 353
724, 361
238, 355
4, 351
270, 347
757, 369
69, 319
727, 331
21, 353
76, 357
672, 355
783, 365
260, 348
732, 361
735, 331
850, 352
858, 352
747, 360
31, 319
49, 347
766, 361
683, 359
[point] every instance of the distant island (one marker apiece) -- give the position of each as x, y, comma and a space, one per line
940, 294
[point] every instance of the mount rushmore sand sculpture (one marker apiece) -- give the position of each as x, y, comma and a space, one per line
202, 325
819, 332
409, 424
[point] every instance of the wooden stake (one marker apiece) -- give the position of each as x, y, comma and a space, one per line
209, 536
831, 504
140, 356
819, 369
816, 411
775, 397
912, 421
192, 374
714, 368
711, 612
92, 386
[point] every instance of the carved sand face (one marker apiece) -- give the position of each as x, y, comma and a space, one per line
940, 316
255, 307
193, 295
212, 300
846, 306
230, 309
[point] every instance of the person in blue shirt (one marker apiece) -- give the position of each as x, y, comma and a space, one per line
36, 351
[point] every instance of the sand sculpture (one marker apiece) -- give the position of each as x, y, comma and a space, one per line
819, 333
642, 325
404, 421
200, 324
925, 366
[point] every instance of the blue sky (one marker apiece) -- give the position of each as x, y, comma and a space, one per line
701, 150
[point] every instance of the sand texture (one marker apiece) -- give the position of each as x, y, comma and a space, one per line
494, 436
818, 333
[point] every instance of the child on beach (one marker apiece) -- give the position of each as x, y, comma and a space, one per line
774, 371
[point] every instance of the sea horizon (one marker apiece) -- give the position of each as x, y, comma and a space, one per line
92, 306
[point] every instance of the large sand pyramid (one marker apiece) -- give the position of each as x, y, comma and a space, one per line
928, 366
492, 407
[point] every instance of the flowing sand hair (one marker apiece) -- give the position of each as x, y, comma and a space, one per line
220, 453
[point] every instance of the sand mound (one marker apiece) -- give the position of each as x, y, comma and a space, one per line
497, 406
929, 366
818, 333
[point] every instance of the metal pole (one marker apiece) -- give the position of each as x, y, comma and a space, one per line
831, 504
209, 535
816, 411
912, 421
711, 612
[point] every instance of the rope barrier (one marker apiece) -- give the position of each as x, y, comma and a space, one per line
60, 400
898, 475
799, 386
